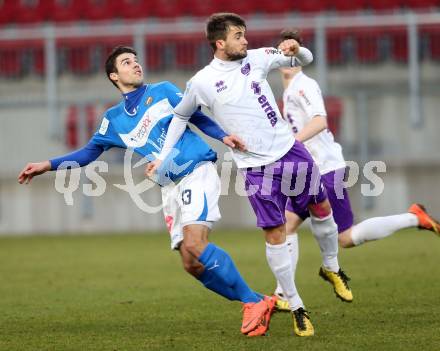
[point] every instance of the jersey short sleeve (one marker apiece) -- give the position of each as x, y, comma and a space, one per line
310, 98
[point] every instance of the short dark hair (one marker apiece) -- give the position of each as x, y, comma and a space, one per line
290, 33
110, 63
218, 25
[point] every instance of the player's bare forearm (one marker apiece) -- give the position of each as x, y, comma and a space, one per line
314, 127
33, 169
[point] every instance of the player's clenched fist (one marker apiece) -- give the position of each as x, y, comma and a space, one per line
151, 167
289, 47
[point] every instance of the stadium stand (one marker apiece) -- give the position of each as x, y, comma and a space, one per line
363, 45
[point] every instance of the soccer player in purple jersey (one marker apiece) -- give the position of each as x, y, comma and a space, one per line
303, 108
234, 88
190, 191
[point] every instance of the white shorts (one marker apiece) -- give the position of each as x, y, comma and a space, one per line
192, 200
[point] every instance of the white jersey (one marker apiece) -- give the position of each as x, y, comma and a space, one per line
242, 103
302, 101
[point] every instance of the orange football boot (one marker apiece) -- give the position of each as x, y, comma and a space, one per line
253, 313
425, 220
263, 327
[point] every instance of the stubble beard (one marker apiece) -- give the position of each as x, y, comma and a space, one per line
235, 56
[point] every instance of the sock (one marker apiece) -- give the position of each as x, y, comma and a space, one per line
216, 285
381, 227
212, 283
278, 258
325, 231
292, 245
221, 276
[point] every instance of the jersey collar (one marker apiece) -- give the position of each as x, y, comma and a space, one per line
132, 100
296, 77
225, 65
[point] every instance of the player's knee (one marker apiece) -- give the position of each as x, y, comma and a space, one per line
344, 240
321, 210
275, 235
291, 226
194, 246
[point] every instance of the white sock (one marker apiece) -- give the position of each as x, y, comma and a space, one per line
325, 231
381, 227
278, 258
292, 244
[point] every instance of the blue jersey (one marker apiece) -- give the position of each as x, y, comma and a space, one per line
144, 130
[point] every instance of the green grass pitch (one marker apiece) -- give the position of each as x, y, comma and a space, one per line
129, 292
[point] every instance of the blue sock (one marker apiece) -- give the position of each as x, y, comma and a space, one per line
210, 281
223, 277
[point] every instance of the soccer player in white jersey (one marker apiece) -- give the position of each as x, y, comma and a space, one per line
190, 183
235, 90
304, 109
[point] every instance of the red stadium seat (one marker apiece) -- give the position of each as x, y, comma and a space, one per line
420, 4
8, 11
79, 59
79, 56
72, 127
308, 39
242, 7
270, 6
11, 61
90, 111
380, 5
66, 10
432, 35
367, 44
32, 11
186, 52
344, 5
204, 8
334, 107
38, 60
310, 6
133, 9
335, 40
399, 44
154, 54
105, 46
96, 10
170, 8
72, 123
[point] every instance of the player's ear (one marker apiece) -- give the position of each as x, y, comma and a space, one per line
220, 44
114, 76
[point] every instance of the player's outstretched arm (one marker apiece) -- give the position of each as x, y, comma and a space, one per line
314, 127
82, 157
33, 169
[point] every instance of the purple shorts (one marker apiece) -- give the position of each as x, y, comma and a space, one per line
294, 176
338, 198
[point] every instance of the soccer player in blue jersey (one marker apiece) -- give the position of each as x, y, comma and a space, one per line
189, 181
